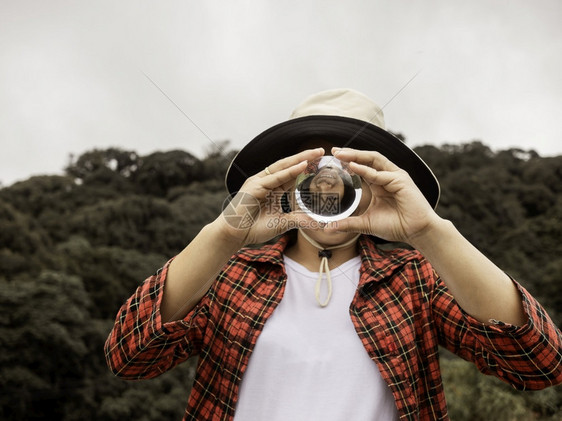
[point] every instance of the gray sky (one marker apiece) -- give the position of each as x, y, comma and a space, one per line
72, 73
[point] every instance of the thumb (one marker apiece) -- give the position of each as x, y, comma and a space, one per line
351, 224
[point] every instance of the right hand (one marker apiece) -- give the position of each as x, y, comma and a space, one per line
254, 215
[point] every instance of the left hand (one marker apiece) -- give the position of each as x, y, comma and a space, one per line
398, 211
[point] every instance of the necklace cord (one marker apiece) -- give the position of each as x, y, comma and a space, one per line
325, 253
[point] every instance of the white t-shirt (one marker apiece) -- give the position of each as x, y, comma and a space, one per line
309, 363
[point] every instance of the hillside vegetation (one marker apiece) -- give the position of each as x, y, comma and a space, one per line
73, 247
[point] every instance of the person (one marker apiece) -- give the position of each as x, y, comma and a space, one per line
326, 188
272, 344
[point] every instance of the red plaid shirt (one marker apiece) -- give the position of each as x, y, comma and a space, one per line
401, 311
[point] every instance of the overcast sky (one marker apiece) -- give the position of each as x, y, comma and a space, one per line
74, 75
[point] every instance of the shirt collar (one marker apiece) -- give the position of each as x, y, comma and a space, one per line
376, 264
271, 252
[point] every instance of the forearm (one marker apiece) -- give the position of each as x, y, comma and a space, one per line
481, 288
193, 271
137, 347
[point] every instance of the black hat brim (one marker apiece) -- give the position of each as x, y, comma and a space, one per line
290, 137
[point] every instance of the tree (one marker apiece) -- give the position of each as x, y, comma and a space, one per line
109, 274
23, 244
122, 162
74, 247
144, 223
43, 332
40, 194
160, 171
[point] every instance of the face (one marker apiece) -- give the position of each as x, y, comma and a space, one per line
329, 181
326, 191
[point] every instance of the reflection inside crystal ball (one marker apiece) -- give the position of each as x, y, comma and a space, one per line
327, 190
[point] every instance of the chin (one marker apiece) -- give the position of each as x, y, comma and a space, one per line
329, 239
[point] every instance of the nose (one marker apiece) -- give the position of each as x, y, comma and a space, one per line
324, 186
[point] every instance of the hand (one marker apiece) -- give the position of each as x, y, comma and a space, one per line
255, 215
397, 211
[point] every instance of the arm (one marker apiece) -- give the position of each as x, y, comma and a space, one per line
481, 314
478, 285
398, 211
208, 252
196, 267
163, 322
140, 345
528, 357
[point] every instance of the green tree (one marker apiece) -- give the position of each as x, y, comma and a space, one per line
160, 171
43, 335
120, 161
23, 244
109, 274
74, 247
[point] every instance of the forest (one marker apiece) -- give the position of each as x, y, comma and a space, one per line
74, 246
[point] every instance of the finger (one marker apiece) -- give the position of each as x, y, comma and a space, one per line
372, 159
351, 224
387, 179
292, 160
283, 177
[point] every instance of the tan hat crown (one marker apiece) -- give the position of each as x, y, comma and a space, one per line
343, 103
346, 118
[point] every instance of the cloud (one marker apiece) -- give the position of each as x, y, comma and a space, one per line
73, 73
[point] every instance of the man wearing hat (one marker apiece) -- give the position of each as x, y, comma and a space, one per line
323, 322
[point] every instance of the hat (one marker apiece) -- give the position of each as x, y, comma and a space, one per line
343, 117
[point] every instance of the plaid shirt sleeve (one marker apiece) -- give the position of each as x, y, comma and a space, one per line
140, 345
528, 357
